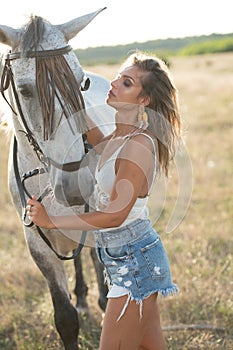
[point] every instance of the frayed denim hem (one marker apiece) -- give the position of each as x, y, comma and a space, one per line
162, 292
169, 291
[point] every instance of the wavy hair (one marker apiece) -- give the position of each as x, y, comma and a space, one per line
163, 110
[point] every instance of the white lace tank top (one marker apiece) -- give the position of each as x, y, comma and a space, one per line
105, 177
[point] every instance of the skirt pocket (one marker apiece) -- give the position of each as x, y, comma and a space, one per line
156, 259
116, 253
98, 253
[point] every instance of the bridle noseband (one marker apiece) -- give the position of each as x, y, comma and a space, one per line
7, 80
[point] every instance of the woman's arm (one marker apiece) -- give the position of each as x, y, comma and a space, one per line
94, 134
132, 170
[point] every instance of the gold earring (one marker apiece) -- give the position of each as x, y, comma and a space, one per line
142, 116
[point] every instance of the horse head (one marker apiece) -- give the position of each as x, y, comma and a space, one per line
45, 76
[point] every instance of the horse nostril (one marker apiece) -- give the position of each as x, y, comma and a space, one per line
66, 197
59, 193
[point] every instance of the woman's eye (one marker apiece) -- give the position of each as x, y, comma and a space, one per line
127, 83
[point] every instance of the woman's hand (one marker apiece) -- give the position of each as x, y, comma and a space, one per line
38, 214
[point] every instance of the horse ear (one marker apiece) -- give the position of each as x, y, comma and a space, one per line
73, 27
9, 36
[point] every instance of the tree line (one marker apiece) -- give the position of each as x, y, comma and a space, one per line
194, 45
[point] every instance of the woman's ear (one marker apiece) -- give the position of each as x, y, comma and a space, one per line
145, 101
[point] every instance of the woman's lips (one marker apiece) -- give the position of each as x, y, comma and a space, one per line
111, 93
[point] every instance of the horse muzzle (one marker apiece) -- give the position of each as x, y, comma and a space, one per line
73, 189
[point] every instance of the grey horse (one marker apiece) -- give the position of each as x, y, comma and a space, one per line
41, 82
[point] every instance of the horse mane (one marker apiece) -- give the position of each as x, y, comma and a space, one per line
54, 79
33, 34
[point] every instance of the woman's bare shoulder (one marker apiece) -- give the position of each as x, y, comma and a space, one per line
143, 138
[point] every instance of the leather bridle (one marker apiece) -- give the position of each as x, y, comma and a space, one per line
7, 80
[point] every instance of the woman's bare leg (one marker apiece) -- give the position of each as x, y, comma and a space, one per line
153, 338
131, 332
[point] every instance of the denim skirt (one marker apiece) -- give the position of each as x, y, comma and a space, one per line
135, 260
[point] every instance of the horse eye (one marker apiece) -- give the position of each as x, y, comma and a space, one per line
25, 90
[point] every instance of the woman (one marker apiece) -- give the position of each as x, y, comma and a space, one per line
143, 143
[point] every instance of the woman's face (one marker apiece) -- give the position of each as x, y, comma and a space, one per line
126, 88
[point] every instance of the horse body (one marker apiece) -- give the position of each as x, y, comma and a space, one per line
63, 143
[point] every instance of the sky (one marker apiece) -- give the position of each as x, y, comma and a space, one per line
127, 21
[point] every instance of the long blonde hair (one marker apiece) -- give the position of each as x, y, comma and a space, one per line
163, 110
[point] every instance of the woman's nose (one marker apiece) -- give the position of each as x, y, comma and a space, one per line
114, 82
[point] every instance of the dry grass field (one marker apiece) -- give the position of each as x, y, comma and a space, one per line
200, 248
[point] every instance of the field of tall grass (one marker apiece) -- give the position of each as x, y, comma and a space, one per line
200, 248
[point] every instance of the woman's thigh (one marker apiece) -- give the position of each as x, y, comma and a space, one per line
153, 338
127, 333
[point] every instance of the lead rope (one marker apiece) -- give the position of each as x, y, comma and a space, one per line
6, 80
22, 190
